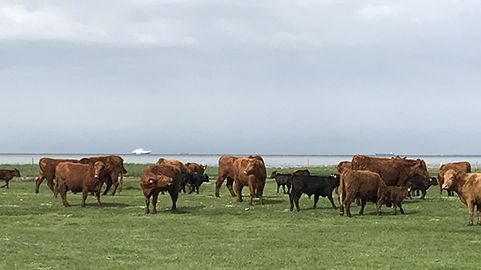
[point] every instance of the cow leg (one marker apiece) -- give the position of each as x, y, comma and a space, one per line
417, 192
341, 207
218, 184
378, 206
63, 193
192, 189
147, 203
478, 207
424, 194
38, 181
239, 192
316, 199
197, 187
471, 212
278, 186
121, 182
97, 194
6, 185
348, 202
50, 183
331, 200
173, 196
99, 204
252, 193
363, 204
284, 188
108, 185
155, 198
230, 183
401, 208
296, 201
288, 187
291, 201
394, 206
409, 195
84, 197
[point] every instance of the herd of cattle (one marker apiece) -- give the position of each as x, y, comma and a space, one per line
383, 181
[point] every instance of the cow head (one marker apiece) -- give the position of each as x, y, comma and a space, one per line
99, 167
449, 179
335, 178
252, 165
418, 168
17, 172
273, 174
205, 178
433, 181
204, 167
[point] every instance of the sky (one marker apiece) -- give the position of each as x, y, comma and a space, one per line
214, 76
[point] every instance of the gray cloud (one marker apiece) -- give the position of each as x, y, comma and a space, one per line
214, 76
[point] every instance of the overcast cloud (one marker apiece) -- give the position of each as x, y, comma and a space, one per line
293, 77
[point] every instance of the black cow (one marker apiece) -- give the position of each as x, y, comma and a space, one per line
282, 179
196, 180
312, 185
419, 183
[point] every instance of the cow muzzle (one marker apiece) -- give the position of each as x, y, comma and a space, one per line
445, 186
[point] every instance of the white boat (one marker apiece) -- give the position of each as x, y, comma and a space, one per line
141, 151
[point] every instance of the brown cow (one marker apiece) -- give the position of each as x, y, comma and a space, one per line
250, 172
114, 167
196, 168
362, 184
47, 171
393, 171
226, 171
394, 195
76, 177
468, 188
157, 178
8, 175
459, 167
186, 173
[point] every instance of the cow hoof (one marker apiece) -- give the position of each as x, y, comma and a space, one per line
470, 224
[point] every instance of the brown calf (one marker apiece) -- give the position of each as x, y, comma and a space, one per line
394, 195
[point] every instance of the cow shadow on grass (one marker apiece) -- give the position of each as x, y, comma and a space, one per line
388, 212
104, 205
272, 201
187, 209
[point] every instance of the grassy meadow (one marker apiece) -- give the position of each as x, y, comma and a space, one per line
219, 233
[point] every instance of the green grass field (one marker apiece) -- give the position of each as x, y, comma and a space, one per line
207, 232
